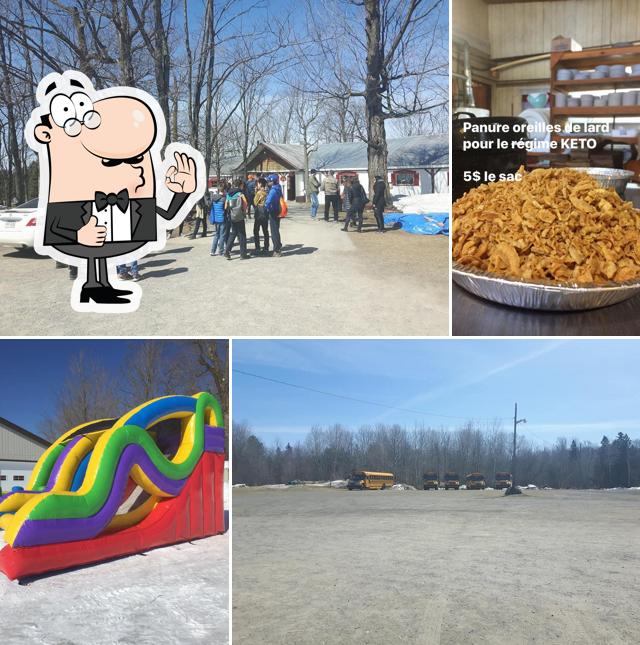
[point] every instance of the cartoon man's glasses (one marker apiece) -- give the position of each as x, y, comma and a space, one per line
73, 127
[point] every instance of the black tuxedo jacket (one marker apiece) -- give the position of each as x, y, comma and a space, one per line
64, 219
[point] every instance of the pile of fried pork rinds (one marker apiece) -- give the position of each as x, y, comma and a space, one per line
554, 225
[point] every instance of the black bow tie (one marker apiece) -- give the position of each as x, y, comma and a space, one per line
104, 199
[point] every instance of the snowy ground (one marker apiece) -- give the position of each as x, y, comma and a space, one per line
177, 594
320, 566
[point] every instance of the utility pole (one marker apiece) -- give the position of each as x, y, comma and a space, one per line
514, 490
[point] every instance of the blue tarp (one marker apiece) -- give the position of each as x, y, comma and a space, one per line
426, 224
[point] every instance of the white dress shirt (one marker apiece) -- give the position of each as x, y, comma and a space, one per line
118, 222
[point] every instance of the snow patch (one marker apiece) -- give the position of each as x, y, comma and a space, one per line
423, 204
403, 487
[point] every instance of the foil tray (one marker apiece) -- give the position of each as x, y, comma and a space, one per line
546, 297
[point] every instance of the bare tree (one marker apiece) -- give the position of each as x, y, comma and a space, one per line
306, 113
87, 394
393, 69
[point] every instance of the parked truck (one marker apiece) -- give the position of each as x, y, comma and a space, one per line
502, 481
475, 481
451, 480
430, 480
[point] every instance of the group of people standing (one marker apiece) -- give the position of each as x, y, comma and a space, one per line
231, 207
353, 196
228, 208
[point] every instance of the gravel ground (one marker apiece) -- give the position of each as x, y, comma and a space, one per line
327, 283
176, 594
326, 566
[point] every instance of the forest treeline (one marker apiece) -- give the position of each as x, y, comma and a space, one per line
333, 452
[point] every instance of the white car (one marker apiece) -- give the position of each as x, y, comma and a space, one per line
18, 224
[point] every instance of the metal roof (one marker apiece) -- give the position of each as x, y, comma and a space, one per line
407, 152
18, 444
423, 151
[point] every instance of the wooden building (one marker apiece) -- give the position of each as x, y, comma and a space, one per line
416, 165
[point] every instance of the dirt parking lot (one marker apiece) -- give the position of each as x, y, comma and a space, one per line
314, 565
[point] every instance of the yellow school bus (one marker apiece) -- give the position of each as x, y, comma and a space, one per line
369, 480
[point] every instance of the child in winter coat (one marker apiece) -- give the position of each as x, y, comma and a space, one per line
218, 219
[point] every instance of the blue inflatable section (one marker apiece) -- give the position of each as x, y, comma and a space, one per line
420, 224
78, 478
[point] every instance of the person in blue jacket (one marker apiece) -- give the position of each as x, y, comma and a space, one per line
272, 206
218, 219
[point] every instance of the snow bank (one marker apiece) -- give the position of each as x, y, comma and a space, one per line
239, 486
336, 483
277, 486
528, 487
422, 204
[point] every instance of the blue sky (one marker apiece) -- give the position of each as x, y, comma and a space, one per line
571, 388
33, 372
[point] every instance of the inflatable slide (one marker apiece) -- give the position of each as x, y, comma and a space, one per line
114, 487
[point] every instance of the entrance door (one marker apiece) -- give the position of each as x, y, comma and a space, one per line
291, 187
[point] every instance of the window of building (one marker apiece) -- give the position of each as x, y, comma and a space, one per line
3, 478
405, 178
18, 478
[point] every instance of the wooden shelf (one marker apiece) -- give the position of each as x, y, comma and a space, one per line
626, 55
589, 58
597, 84
622, 110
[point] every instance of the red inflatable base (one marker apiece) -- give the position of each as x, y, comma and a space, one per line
197, 512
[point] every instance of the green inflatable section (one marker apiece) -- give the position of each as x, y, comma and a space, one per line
42, 476
106, 457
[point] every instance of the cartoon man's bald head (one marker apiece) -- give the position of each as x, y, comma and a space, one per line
95, 144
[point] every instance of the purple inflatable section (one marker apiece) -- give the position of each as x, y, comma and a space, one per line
34, 532
55, 471
213, 439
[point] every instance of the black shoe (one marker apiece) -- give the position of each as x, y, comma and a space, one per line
226, 255
344, 228
103, 295
246, 256
119, 292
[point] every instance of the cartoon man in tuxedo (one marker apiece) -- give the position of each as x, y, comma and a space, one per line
99, 155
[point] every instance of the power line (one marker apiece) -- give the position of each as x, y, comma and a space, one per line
365, 401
